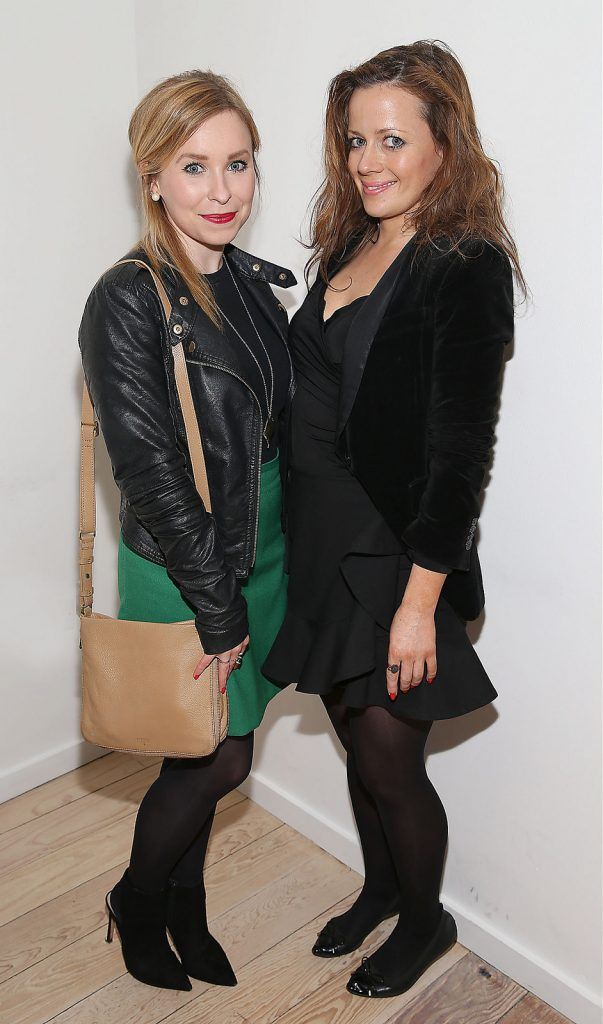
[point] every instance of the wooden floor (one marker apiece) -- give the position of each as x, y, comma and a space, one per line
64, 844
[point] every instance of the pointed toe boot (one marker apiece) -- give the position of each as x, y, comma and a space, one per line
141, 923
201, 954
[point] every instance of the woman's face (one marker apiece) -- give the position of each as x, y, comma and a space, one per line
207, 188
392, 154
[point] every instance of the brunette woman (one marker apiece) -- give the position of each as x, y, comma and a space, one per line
398, 350
194, 144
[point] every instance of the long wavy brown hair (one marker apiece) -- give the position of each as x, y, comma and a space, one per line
465, 198
161, 123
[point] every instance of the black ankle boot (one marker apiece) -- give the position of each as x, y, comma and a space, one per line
202, 956
141, 922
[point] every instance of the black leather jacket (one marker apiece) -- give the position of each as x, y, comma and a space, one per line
125, 345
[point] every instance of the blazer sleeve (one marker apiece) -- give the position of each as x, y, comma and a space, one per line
124, 367
473, 322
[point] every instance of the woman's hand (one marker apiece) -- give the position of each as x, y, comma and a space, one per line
226, 662
412, 635
412, 643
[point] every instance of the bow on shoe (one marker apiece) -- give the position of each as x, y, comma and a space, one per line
365, 981
330, 935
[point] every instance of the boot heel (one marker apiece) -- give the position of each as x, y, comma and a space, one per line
140, 920
111, 925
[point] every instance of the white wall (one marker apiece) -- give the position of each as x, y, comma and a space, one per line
521, 782
68, 81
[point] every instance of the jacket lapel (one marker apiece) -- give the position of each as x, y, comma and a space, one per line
362, 333
213, 342
210, 340
218, 345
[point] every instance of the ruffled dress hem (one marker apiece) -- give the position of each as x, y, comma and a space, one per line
349, 653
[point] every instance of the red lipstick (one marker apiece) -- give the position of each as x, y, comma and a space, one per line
219, 218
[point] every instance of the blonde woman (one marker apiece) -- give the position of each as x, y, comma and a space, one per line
194, 143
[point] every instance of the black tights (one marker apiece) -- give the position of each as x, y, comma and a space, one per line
401, 823
176, 814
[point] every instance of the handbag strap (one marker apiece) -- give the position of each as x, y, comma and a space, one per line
89, 431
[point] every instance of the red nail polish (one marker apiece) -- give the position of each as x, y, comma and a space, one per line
194, 676
392, 696
223, 691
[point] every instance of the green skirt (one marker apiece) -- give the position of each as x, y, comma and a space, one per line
147, 594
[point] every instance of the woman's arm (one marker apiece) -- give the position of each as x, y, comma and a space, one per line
123, 365
473, 321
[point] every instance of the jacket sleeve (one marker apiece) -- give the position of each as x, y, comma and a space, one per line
124, 367
473, 322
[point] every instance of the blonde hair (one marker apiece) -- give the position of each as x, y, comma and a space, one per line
163, 120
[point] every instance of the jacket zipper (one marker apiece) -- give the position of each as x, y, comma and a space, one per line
219, 366
291, 389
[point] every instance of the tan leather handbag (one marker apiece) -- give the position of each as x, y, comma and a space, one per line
138, 691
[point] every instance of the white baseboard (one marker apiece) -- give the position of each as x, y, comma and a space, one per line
565, 994
562, 992
25, 776
303, 818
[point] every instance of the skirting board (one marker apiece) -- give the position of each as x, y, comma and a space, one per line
38, 770
562, 992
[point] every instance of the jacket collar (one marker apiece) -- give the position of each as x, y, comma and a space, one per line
245, 264
259, 270
362, 333
249, 267
186, 315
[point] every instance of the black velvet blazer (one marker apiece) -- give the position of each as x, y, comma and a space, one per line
418, 402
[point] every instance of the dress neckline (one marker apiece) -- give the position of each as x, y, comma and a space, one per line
339, 309
217, 275
406, 246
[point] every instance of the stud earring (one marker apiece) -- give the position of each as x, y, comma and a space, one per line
155, 197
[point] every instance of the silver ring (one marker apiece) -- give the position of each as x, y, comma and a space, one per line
394, 669
238, 660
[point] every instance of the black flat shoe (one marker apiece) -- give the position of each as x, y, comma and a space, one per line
334, 941
141, 921
202, 956
368, 982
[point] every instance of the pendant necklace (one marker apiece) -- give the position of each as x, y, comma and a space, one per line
270, 424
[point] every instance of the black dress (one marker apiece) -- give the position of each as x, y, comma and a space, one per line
347, 570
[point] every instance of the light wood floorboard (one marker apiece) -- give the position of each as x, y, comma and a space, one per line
270, 890
531, 1010
471, 993
67, 788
